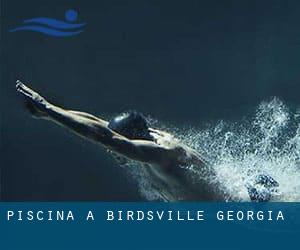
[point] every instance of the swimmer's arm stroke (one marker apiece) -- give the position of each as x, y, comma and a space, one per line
96, 129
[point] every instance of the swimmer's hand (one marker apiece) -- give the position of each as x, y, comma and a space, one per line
35, 103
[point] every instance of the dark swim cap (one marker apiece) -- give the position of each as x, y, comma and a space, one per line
132, 125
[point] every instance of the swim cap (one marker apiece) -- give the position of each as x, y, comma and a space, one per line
132, 125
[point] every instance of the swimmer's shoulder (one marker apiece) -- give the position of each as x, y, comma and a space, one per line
185, 155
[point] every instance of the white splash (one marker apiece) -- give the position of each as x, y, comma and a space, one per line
268, 142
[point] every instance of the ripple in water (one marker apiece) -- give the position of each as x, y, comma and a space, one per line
268, 142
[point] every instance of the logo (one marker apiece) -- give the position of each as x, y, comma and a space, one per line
53, 27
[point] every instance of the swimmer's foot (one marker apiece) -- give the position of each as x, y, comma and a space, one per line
34, 103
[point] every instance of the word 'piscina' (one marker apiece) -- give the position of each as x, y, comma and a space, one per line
40, 215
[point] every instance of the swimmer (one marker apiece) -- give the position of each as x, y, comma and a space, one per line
129, 136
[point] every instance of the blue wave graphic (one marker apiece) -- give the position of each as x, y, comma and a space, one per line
47, 31
55, 27
53, 23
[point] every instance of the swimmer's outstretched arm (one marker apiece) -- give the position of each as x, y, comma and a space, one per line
95, 129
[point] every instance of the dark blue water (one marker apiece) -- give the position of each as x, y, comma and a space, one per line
185, 64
